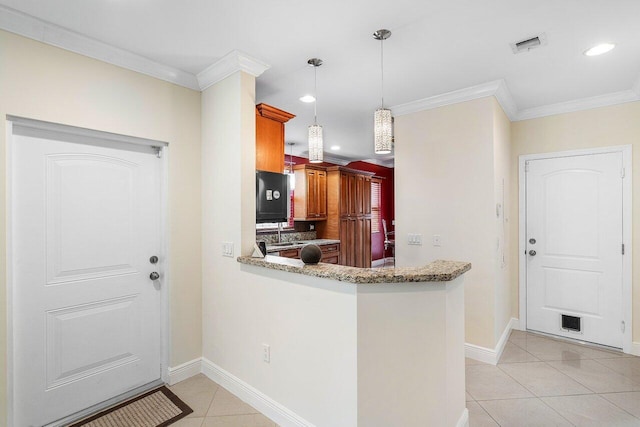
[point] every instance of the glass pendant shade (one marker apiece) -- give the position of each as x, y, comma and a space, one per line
383, 131
315, 144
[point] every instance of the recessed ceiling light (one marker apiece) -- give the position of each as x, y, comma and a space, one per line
307, 98
599, 49
335, 147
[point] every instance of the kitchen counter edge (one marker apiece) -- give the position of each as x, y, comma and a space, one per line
437, 271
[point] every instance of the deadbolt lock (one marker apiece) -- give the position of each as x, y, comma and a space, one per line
153, 260
532, 241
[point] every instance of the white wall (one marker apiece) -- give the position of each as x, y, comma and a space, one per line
313, 350
411, 354
444, 184
42, 82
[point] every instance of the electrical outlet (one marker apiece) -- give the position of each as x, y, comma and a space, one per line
312, 227
266, 353
227, 249
437, 240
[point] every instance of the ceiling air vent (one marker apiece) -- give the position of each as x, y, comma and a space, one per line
529, 43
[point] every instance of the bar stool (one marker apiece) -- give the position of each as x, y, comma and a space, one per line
389, 242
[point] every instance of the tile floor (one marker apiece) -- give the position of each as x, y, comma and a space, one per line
542, 382
213, 406
538, 382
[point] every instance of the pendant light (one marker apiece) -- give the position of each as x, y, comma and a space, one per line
382, 120
315, 130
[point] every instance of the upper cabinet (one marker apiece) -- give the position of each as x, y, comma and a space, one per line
270, 137
310, 196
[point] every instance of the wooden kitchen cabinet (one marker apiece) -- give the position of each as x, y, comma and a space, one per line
349, 214
310, 195
362, 237
330, 253
270, 138
348, 241
290, 253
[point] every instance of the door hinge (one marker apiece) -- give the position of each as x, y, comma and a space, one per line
623, 327
526, 166
623, 249
622, 173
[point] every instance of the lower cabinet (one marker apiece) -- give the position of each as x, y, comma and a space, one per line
355, 240
330, 253
290, 253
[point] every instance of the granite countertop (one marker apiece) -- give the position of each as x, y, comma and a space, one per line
437, 271
297, 245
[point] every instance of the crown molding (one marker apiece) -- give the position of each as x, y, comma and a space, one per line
606, 100
497, 88
503, 95
335, 160
230, 63
387, 163
28, 26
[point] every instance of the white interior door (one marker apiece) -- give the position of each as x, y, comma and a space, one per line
574, 247
86, 315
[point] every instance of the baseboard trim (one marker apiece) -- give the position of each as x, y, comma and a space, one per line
635, 348
272, 409
184, 371
464, 419
488, 355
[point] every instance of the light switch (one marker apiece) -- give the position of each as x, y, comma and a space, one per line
414, 239
227, 249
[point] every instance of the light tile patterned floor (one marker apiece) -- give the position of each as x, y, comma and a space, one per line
213, 406
543, 382
538, 382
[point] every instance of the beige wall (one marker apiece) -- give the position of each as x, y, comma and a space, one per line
42, 82
601, 127
444, 184
502, 172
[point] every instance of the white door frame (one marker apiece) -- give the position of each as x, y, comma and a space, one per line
627, 259
110, 140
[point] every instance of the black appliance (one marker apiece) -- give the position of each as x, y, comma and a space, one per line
272, 197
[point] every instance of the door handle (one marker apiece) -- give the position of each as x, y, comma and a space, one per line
154, 276
532, 252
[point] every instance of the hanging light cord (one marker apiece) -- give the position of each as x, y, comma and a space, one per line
382, 69
315, 89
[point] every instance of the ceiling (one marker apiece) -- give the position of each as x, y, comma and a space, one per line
437, 46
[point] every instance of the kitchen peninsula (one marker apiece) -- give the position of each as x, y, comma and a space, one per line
401, 337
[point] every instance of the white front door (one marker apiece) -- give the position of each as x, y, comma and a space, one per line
86, 315
574, 247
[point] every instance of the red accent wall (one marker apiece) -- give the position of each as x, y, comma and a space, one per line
387, 209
